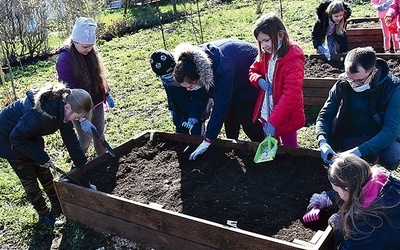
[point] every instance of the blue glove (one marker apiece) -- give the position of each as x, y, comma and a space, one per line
269, 130
354, 151
265, 85
384, 6
325, 52
326, 152
110, 101
190, 123
86, 126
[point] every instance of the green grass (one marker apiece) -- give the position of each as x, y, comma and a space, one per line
139, 96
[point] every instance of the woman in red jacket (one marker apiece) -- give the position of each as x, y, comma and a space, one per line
279, 73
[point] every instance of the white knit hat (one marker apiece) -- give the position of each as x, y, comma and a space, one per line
84, 31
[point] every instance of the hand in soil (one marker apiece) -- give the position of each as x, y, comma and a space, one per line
312, 215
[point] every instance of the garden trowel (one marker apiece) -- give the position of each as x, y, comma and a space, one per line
103, 141
266, 150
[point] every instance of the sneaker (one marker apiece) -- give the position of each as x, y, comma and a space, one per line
387, 51
48, 220
398, 51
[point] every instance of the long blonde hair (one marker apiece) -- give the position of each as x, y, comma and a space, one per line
336, 7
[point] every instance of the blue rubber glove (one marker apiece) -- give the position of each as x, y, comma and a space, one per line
110, 101
326, 152
86, 126
269, 130
325, 52
265, 85
190, 123
354, 151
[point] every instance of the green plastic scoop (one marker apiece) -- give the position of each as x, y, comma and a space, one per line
266, 150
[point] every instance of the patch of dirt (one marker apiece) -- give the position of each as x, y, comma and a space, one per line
222, 184
363, 25
321, 68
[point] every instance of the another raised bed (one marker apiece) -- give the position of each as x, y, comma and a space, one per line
362, 32
159, 228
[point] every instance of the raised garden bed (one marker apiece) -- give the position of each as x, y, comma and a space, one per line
363, 32
199, 197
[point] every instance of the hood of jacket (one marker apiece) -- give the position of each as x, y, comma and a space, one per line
46, 102
202, 61
381, 75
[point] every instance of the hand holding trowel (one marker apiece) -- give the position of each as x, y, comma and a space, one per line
88, 127
103, 141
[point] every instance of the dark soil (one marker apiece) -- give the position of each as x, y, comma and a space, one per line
321, 68
363, 25
222, 184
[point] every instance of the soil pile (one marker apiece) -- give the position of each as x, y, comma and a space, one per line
222, 184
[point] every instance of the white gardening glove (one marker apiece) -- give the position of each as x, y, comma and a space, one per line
320, 201
199, 150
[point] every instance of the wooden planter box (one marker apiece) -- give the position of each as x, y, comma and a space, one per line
163, 229
362, 37
316, 90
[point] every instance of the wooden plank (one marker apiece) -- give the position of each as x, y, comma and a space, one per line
316, 92
325, 240
326, 83
106, 212
363, 19
128, 230
247, 146
363, 31
314, 101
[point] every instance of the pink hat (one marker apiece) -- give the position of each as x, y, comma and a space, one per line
84, 31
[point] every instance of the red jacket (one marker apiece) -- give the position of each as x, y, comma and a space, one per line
288, 113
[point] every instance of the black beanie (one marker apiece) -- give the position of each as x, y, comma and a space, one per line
162, 62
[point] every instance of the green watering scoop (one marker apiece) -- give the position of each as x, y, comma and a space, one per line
266, 150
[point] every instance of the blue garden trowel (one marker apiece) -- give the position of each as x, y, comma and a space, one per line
266, 150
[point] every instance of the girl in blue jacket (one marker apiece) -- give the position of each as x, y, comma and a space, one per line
22, 127
369, 205
222, 68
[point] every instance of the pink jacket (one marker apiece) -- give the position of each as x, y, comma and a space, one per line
375, 4
393, 10
288, 113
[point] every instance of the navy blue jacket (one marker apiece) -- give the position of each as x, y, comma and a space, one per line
231, 61
22, 126
185, 104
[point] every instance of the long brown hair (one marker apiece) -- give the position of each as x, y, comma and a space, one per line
271, 25
351, 173
91, 72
